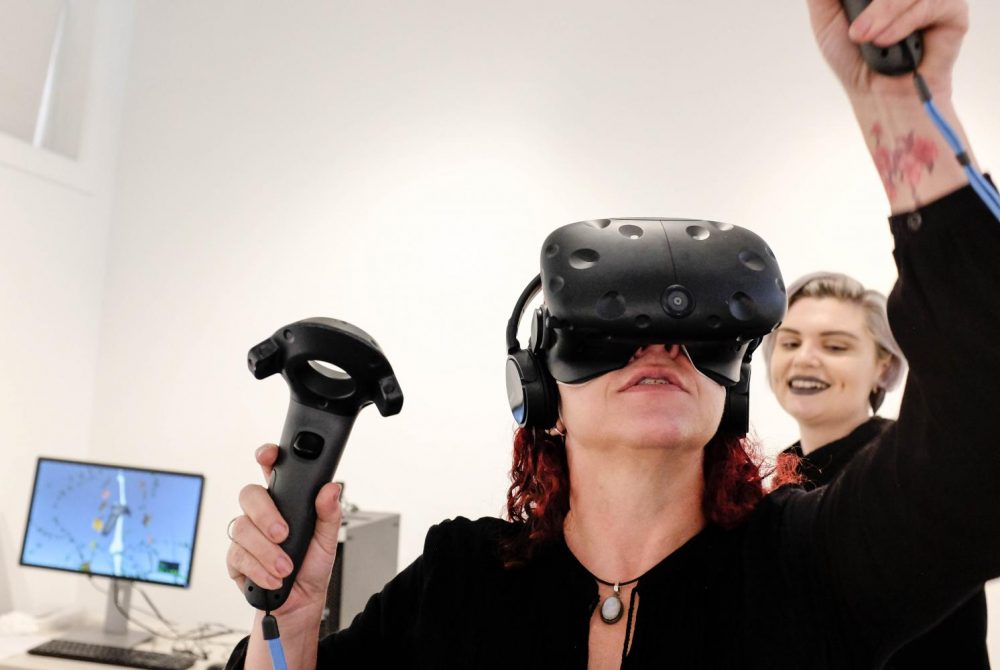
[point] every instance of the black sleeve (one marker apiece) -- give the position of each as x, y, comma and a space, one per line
414, 616
380, 636
419, 607
912, 525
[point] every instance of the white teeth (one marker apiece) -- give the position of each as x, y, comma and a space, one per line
648, 380
808, 384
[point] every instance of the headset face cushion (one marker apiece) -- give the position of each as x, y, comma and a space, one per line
574, 359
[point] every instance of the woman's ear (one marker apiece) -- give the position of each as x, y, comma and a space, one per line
883, 365
560, 427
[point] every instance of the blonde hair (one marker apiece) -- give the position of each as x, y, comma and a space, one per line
848, 289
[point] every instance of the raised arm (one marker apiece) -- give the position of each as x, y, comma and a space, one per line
912, 526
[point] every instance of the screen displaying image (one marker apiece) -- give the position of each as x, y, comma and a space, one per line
113, 521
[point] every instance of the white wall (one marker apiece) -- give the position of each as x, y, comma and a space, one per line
55, 217
397, 166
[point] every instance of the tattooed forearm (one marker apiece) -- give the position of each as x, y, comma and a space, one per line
905, 163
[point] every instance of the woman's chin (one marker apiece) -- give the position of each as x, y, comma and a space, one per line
804, 409
656, 434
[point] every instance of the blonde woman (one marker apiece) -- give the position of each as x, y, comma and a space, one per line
830, 364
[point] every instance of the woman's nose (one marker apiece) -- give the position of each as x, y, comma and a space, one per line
671, 350
805, 354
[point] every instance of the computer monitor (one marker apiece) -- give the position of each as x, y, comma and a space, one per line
126, 523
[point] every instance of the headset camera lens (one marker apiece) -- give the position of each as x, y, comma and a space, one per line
677, 301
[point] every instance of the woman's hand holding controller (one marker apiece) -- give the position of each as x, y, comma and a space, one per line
255, 553
884, 23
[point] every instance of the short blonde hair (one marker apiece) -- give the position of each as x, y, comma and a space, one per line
845, 288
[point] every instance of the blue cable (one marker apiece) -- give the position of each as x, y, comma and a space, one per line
975, 178
270, 628
277, 654
983, 188
985, 191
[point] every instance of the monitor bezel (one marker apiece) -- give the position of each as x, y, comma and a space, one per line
194, 541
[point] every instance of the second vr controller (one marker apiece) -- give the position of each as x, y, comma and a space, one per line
333, 370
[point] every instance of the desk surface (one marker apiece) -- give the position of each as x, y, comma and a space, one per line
13, 656
29, 662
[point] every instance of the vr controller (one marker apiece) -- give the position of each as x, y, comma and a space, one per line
900, 58
323, 406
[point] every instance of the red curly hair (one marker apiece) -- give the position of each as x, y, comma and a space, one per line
538, 496
787, 470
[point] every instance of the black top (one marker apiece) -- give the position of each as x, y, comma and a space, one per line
959, 641
822, 465
837, 577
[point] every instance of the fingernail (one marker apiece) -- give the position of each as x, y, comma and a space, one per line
860, 27
278, 531
258, 451
283, 565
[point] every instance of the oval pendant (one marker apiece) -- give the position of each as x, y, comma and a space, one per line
611, 609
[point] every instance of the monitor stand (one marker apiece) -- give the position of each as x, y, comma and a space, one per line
115, 632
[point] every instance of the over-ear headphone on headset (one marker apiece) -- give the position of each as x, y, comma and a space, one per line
531, 390
611, 286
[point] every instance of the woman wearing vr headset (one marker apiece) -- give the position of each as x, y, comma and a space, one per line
639, 532
830, 364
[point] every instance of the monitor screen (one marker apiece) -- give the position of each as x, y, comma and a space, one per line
113, 521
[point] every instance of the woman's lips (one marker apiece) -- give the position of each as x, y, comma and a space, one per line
652, 388
803, 385
653, 379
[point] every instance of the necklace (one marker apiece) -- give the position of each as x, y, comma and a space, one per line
612, 607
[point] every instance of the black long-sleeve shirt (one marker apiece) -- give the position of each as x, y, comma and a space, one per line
838, 577
958, 642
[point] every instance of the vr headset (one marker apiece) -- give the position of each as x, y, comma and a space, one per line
611, 286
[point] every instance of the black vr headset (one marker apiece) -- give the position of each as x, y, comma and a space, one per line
611, 286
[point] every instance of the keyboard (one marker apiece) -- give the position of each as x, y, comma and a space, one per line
96, 653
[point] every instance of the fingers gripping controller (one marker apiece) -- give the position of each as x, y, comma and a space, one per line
898, 59
333, 370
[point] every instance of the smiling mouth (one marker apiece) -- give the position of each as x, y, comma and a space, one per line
807, 385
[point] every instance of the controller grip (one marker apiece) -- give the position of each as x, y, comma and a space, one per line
312, 442
898, 59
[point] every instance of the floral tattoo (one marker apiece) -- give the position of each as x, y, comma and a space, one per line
905, 163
